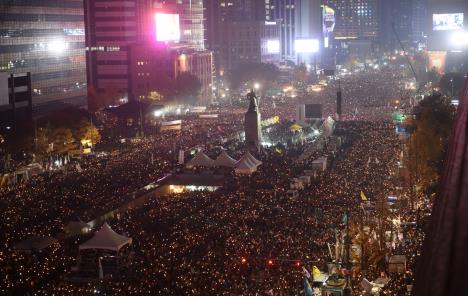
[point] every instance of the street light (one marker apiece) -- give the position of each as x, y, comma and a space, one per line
256, 86
451, 82
460, 38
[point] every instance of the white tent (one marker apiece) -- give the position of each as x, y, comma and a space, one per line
106, 239
247, 164
224, 160
200, 159
320, 164
251, 158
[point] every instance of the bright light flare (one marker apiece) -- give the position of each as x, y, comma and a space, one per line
459, 38
307, 45
167, 27
57, 46
256, 86
158, 113
273, 46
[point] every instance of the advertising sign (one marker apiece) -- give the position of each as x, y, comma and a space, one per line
447, 21
167, 27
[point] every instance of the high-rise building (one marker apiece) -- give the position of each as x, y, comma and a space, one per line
218, 18
151, 67
191, 14
396, 17
252, 42
112, 26
308, 27
283, 11
357, 19
419, 21
46, 38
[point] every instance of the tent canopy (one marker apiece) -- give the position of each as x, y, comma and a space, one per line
295, 127
106, 239
247, 164
200, 159
224, 160
251, 158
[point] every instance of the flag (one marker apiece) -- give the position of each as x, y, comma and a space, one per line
305, 272
316, 272
363, 196
307, 288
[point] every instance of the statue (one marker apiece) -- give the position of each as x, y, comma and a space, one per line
253, 99
252, 122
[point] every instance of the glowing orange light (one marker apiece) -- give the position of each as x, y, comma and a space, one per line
243, 260
270, 262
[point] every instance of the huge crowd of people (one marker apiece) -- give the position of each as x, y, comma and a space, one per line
247, 238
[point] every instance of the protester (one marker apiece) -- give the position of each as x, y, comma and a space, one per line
193, 243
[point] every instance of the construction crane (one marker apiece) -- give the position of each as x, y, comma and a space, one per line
419, 86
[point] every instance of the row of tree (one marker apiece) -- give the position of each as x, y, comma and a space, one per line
65, 140
431, 125
62, 132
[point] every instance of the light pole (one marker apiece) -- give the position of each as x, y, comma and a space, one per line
451, 82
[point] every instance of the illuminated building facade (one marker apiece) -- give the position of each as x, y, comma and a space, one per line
252, 42
191, 14
219, 14
419, 16
283, 11
447, 35
113, 26
401, 15
357, 19
46, 38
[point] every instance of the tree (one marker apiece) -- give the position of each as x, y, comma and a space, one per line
63, 141
93, 135
432, 127
42, 141
98, 100
165, 86
86, 132
433, 76
188, 88
452, 82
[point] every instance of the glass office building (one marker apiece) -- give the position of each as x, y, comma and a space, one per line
46, 38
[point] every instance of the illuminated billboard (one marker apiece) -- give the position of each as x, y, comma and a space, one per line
167, 27
328, 24
306, 45
273, 46
447, 21
437, 61
329, 19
